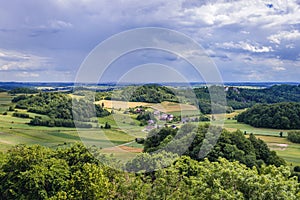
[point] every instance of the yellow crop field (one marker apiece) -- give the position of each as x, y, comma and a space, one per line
165, 106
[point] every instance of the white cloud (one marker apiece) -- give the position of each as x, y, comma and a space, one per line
257, 12
256, 48
58, 24
284, 36
27, 74
278, 68
14, 61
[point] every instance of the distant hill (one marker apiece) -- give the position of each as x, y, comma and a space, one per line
274, 94
23, 90
150, 93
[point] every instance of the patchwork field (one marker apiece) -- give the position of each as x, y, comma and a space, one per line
119, 140
170, 107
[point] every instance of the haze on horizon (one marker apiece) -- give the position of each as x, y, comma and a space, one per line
247, 40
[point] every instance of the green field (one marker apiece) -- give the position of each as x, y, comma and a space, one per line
233, 125
5, 101
15, 130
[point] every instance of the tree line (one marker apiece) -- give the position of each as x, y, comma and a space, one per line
151, 93
278, 115
59, 109
239, 98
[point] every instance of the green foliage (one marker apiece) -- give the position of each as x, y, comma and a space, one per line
144, 117
151, 93
37, 172
38, 121
146, 162
155, 137
223, 180
32, 173
239, 98
21, 115
274, 94
23, 90
59, 108
198, 142
279, 116
294, 136
297, 169
103, 96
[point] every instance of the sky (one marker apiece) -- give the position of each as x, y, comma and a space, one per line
247, 40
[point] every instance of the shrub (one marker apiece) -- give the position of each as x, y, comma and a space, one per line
21, 115
297, 169
294, 136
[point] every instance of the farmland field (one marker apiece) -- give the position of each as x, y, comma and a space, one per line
125, 128
163, 107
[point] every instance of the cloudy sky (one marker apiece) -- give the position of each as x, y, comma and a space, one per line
248, 40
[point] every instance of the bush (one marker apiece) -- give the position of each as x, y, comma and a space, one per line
11, 108
107, 125
20, 115
294, 136
140, 140
297, 169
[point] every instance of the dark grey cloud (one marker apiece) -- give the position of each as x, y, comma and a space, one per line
248, 36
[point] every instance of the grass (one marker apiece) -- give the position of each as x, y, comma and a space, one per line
290, 153
5, 101
15, 131
234, 125
122, 122
169, 107
186, 113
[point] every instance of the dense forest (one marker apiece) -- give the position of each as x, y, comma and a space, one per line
150, 93
58, 107
23, 90
239, 98
35, 172
278, 115
233, 146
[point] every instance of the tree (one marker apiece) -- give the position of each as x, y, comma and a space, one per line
281, 134
35, 172
107, 125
